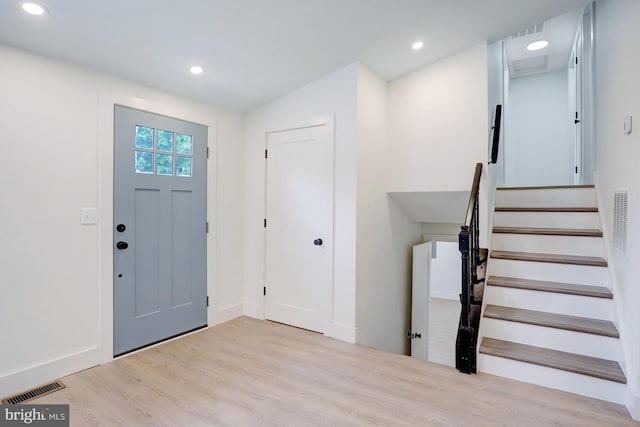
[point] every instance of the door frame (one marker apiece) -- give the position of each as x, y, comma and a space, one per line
327, 120
581, 97
166, 106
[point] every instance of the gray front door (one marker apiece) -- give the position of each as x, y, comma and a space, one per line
159, 236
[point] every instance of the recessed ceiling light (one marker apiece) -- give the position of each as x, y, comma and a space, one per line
196, 69
417, 45
537, 45
34, 8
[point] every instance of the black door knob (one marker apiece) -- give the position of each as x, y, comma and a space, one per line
317, 242
121, 228
122, 245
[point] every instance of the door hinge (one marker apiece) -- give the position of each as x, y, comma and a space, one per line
265, 223
576, 169
264, 290
413, 336
207, 227
207, 300
207, 152
265, 154
576, 59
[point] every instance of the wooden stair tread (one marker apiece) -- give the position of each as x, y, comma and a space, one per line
557, 287
550, 258
584, 232
550, 210
570, 362
548, 187
553, 320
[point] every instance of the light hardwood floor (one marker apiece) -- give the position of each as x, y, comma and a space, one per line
248, 372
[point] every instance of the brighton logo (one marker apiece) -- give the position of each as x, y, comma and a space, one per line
36, 415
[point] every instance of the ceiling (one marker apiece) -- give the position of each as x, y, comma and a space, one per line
559, 31
254, 51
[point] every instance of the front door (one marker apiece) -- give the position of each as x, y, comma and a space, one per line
159, 260
299, 235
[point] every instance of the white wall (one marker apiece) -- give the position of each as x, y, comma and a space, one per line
385, 236
438, 126
539, 147
57, 157
334, 95
494, 174
617, 158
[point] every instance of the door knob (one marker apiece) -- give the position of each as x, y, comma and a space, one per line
121, 228
317, 242
122, 245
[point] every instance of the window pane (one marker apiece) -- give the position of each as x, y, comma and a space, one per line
184, 144
165, 140
165, 164
144, 162
144, 137
183, 166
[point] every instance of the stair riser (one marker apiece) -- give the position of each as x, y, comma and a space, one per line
563, 245
572, 305
589, 220
569, 197
553, 378
555, 339
578, 274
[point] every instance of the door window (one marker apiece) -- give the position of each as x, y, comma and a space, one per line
163, 152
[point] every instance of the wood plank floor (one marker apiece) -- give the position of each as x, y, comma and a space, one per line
248, 372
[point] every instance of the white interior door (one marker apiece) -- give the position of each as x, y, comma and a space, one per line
299, 226
420, 300
578, 113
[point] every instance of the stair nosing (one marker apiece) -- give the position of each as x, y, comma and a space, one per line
548, 187
554, 287
550, 258
547, 210
548, 231
561, 360
598, 327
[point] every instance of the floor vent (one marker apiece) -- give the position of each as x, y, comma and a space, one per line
620, 207
34, 393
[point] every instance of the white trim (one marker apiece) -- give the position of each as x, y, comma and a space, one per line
225, 314
31, 376
327, 120
252, 310
633, 404
342, 332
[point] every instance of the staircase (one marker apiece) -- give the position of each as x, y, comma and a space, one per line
548, 314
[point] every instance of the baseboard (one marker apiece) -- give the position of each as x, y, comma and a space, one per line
633, 404
342, 332
25, 379
251, 309
226, 314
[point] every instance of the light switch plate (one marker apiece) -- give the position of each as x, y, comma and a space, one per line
89, 216
627, 125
